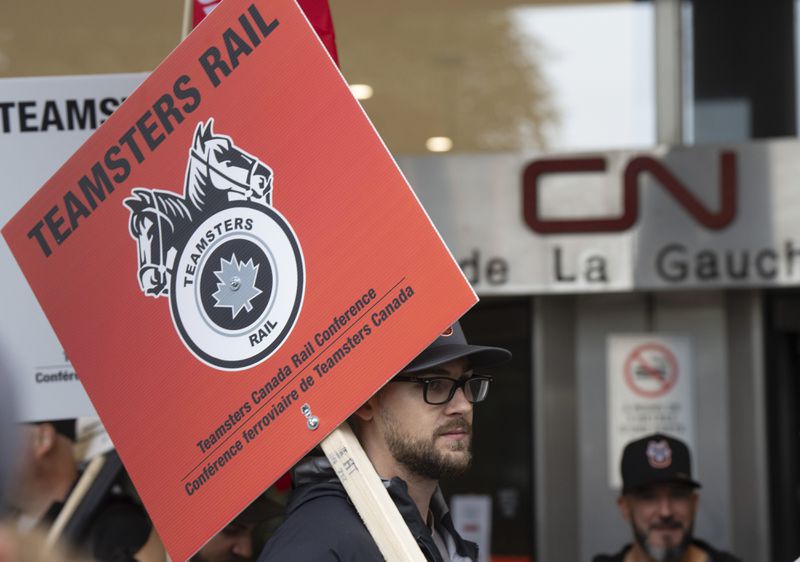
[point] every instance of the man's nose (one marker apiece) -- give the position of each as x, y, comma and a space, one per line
459, 404
665, 506
243, 547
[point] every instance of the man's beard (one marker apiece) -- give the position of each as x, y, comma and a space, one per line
668, 553
420, 455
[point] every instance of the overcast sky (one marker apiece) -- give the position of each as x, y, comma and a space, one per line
598, 60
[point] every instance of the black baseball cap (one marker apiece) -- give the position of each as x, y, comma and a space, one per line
656, 459
260, 510
452, 344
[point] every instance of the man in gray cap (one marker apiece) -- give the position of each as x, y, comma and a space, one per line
416, 430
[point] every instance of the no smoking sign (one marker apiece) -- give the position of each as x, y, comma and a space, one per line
651, 370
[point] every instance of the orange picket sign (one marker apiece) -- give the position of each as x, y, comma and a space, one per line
234, 263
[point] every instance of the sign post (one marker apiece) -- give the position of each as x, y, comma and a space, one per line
233, 255
369, 496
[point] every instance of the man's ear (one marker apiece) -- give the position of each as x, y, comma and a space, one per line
695, 500
367, 410
44, 439
624, 508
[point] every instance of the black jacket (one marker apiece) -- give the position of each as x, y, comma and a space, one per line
322, 524
713, 555
114, 533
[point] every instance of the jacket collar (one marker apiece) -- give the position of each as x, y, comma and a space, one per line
318, 471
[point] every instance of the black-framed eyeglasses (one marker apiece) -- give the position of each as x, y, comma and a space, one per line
440, 390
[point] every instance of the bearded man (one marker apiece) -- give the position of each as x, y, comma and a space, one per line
416, 430
659, 500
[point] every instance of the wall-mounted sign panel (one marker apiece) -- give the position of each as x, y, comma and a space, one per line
650, 385
666, 218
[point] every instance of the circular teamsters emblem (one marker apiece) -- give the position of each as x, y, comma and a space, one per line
238, 287
229, 262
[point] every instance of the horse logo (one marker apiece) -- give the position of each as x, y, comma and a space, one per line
230, 264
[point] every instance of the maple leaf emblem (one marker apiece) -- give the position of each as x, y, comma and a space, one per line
237, 286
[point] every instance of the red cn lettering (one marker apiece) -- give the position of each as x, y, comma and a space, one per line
635, 168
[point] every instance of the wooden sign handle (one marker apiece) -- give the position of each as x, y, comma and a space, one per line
74, 500
370, 497
186, 23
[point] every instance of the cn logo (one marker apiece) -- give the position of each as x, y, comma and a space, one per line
714, 220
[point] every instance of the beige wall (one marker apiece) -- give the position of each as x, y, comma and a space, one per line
58, 37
